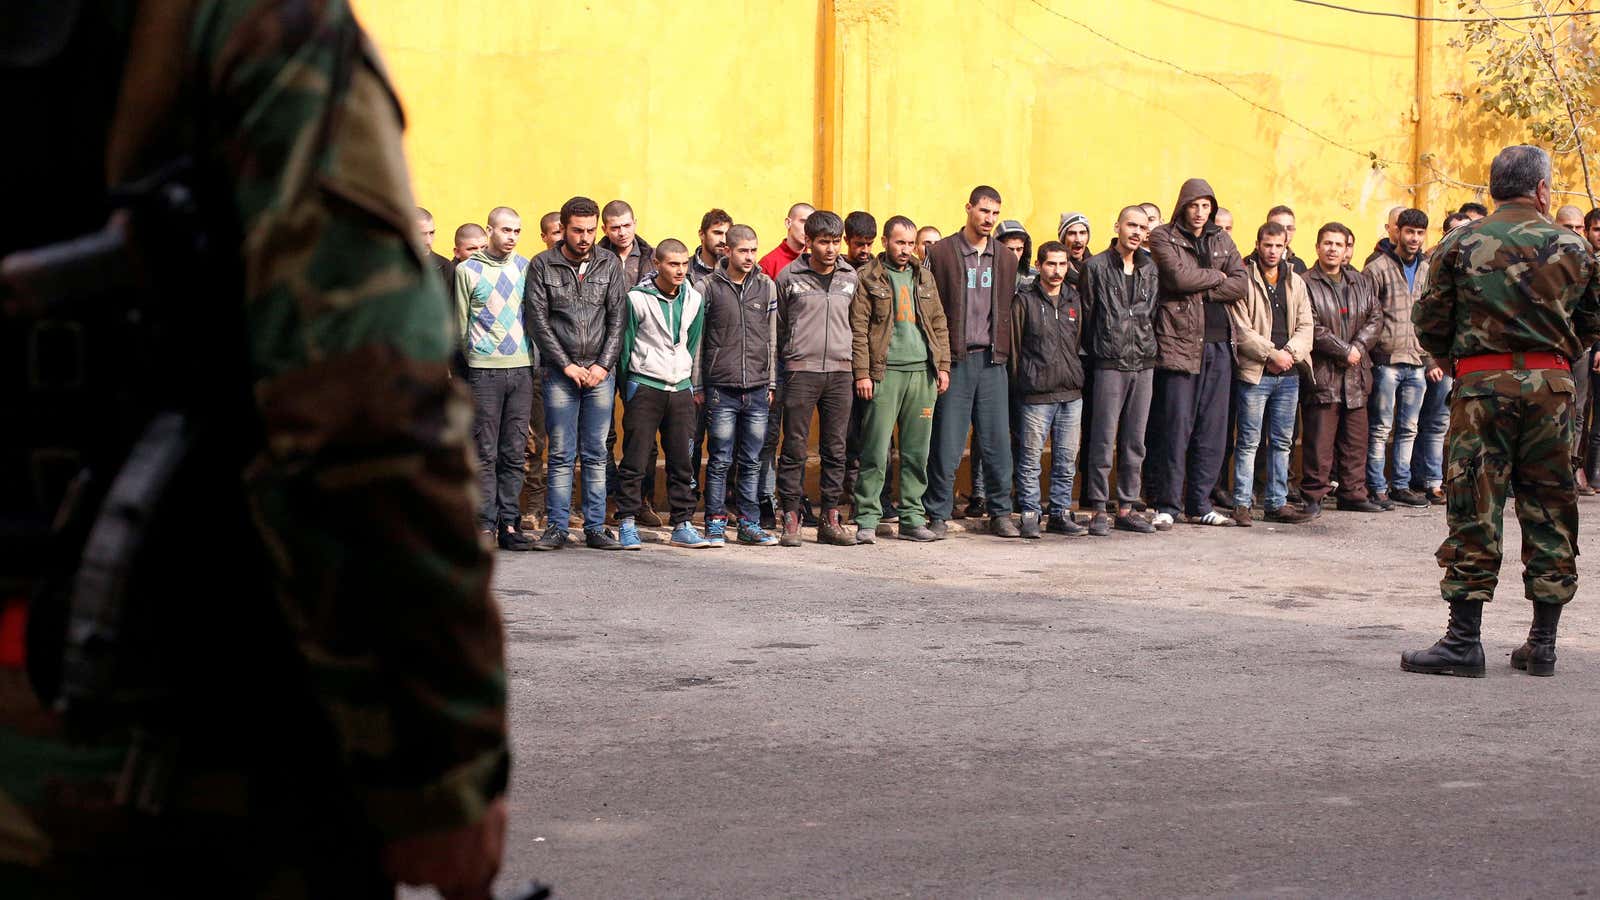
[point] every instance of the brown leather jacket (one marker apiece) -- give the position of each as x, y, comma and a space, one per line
1346, 314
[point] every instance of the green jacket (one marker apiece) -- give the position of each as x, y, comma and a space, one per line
872, 320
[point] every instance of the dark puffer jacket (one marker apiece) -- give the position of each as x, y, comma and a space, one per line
1045, 333
1346, 314
1121, 328
1194, 271
740, 333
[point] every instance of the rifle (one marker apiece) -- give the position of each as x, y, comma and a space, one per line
97, 524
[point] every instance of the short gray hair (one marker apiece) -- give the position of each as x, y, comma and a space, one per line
1517, 171
738, 234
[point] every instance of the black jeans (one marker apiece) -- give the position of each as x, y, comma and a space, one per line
830, 396
501, 402
644, 414
1189, 431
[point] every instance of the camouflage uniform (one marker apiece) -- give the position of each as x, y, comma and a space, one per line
352, 691
1510, 283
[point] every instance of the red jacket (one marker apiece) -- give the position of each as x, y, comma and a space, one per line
780, 256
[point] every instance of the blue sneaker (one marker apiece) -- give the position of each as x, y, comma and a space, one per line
717, 531
752, 534
628, 535
686, 535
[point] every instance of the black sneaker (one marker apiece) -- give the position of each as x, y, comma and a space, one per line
554, 538
1360, 506
1133, 522
510, 537
1004, 526
1065, 525
1408, 497
977, 508
919, 533
939, 527
1100, 525
601, 539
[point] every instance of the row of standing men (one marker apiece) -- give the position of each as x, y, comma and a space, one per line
1169, 333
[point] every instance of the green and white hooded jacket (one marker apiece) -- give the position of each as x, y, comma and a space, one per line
661, 341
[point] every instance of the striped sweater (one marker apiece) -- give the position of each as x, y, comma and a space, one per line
489, 308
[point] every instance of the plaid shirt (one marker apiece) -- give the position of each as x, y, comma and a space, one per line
1397, 337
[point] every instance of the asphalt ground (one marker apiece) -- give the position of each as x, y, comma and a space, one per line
1205, 712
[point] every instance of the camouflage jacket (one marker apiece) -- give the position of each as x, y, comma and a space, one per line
378, 709
350, 346
1512, 281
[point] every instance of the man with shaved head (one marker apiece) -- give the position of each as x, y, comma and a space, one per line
927, 236
1391, 228
793, 243
550, 229
657, 368
425, 235
488, 294
469, 239
622, 238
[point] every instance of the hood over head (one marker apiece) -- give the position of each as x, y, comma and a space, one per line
1192, 190
1012, 228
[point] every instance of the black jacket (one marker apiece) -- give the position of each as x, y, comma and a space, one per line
1045, 364
640, 263
1121, 329
739, 334
576, 321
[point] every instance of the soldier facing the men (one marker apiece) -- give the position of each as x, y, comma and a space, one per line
1512, 301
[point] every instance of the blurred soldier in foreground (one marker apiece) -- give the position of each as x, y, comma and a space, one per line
247, 646
1512, 301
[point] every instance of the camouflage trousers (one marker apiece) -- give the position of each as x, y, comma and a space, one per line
1511, 428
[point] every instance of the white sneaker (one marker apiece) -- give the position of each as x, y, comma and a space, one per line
1213, 518
1162, 521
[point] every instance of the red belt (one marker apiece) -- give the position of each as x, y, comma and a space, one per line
1499, 362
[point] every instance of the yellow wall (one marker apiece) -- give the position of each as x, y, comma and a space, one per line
901, 106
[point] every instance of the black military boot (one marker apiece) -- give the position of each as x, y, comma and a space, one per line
1459, 651
1538, 655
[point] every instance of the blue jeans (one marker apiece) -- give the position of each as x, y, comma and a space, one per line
1269, 406
736, 421
1396, 403
978, 398
1427, 459
1060, 422
577, 421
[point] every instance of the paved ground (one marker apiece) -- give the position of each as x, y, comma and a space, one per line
1205, 712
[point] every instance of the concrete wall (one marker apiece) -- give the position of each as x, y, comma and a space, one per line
900, 106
